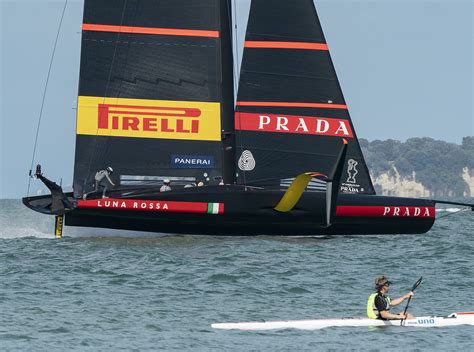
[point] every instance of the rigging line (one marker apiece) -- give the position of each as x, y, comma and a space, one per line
449, 214
235, 64
119, 91
44, 96
236, 82
236, 34
106, 89
220, 69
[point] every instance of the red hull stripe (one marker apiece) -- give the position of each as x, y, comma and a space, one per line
148, 205
465, 313
285, 45
385, 211
291, 105
150, 30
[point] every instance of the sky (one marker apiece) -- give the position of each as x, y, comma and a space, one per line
406, 69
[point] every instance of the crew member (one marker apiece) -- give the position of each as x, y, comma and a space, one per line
166, 186
378, 304
99, 180
59, 201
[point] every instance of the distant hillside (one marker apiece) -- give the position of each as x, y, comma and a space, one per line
421, 167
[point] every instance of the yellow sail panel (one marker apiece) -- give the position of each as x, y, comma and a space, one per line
140, 118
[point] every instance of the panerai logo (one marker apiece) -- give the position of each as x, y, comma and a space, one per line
352, 171
192, 161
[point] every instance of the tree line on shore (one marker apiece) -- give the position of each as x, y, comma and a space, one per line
438, 165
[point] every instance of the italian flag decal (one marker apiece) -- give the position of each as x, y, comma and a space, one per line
215, 208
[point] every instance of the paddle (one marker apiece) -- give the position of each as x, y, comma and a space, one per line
409, 299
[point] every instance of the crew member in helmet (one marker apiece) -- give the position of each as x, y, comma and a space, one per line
166, 186
100, 182
378, 304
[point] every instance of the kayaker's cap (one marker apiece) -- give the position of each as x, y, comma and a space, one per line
109, 169
381, 281
166, 181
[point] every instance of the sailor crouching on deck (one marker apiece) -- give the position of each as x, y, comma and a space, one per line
166, 186
378, 304
99, 180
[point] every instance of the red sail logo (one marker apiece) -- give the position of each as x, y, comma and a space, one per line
293, 124
148, 118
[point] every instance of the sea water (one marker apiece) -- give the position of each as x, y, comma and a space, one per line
117, 293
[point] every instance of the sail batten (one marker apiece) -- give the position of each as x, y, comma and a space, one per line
291, 104
285, 45
149, 30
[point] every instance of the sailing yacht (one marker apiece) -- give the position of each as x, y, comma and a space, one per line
156, 102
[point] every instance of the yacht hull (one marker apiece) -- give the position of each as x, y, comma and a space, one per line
243, 211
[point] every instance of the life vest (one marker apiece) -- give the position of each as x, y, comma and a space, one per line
372, 311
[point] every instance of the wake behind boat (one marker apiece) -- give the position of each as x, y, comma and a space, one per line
462, 318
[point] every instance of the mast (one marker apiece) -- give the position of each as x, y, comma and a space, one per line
227, 90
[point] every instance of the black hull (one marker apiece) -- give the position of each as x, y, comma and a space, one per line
250, 212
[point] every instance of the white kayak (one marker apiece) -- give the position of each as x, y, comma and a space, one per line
463, 318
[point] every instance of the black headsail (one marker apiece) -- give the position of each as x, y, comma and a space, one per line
291, 115
155, 91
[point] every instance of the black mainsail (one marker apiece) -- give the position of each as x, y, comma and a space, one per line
155, 82
290, 107
156, 101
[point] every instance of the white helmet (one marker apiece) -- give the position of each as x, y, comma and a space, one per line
109, 169
166, 181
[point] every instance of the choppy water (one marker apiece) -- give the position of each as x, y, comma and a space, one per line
86, 293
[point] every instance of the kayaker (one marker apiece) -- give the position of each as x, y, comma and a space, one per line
379, 304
